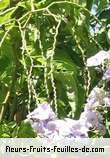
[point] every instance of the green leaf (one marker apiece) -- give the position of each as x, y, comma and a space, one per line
5, 135
6, 15
64, 65
4, 4
89, 4
26, 131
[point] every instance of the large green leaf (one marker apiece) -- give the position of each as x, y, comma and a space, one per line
6, 15
25, 131
4, 4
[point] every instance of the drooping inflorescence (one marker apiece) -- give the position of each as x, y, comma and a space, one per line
45, 122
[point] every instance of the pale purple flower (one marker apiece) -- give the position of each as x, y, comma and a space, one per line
47, 125
107, 101
59, 126
98, 58
82, 133
42, 112
97, 94
74, 124
107, 74
39, 127
97, 97
40, 117
90, 118
67, 128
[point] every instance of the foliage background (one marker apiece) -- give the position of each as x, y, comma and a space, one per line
44, 46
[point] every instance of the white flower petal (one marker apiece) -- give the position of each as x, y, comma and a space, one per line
98, 59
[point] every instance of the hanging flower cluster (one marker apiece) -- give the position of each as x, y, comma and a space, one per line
98, 58
99, 98
46, 124
44, 121
107, 74
92, 116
